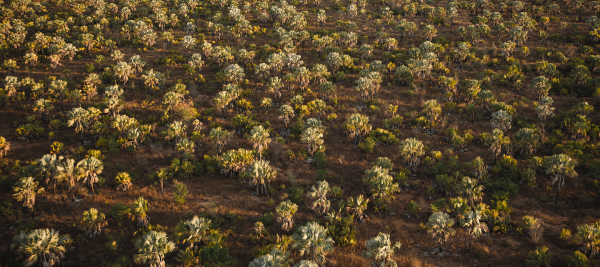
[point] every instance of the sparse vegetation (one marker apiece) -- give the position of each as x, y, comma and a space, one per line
299, 132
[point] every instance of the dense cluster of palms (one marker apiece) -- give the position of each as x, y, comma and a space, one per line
413, 83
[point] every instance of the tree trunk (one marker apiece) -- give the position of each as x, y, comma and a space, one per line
161, 186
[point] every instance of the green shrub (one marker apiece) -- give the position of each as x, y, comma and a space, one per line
119, 211
90, 67
267, 219
341, 230
319, 159
367, 145
439, 204
180, 193
383, 137
216, 256
296, 194
578, 259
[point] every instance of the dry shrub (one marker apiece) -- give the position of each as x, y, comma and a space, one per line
278, 150
141, 163
186, 111
80, 191
203, 100
536, 232
192, 89
157, 150
411, 261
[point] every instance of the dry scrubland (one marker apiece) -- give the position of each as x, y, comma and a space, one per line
300, 133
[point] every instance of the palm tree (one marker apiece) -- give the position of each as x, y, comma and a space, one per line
381, 250
320, 192
123, 180
472, 90
78, 117
285, 211
312, 241
139, 210
433, 110
221, 100
533, 226
501, 120
176, 131
475, 228
317, 106
219, 137
461, 52
364, 86
518, 35
478, 168
162, 174
25, 190
259, 136
186, 146
306, 263
357, 126
544, 109
429, 32
286, 112
334, 61
122, 71
188, 42
113, 100
31, 59
539, 257
259, 228
312, 137
583, 108
558, 167
541, 85
93, 221
43, 108
496, 141
439, 227
580, 74
469, 188
234, 73
153, 80
262, 174
275, 258
152, 249
59, 88
171, 100
195, 62
48, 164
46, 245
192, 232
526, 141
235, 161
357, 206
411, 149
4, 147
589, 236
381, 185
68, 171
90, 168
327, 89
273, 86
